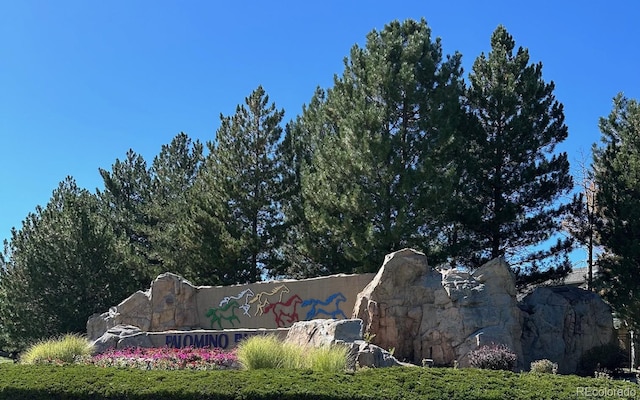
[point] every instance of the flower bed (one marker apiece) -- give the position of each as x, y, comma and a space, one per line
164, 358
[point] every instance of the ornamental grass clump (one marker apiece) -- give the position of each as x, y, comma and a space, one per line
329, 359
64, 350
270, 352
493, 356
261, 351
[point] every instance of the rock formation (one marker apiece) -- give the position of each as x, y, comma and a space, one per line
168, 304
427, 314
562, 323
443, 315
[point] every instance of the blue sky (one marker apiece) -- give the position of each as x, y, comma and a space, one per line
81, 82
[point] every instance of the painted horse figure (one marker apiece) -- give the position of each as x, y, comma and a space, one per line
244, 307
225, 313
286, 312
262, 298
330, 307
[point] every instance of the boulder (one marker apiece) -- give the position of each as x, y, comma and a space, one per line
324, 332
562, 323
424, 313
371, 356
135, 310
119, 337
332, 332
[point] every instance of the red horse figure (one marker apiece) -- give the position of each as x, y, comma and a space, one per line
285, 312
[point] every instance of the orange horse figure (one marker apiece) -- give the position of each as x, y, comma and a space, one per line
285, 312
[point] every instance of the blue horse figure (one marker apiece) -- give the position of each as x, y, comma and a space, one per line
330, 307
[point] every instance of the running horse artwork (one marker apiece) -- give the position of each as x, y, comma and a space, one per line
285, 313
329, 307
247, 293
226, 312
262, 298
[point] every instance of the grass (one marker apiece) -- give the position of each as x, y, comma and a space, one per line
269, 352
328, 359
62, 350
73, 382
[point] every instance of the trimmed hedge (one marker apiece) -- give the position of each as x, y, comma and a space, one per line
72, 382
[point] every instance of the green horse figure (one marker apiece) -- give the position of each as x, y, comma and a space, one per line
226, 312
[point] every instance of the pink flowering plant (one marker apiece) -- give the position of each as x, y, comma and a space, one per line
165, 358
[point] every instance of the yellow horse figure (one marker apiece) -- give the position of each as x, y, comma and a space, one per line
262, 298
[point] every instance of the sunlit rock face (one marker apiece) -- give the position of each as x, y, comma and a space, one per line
424, 313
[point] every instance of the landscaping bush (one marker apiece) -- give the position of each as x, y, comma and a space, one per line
493, 356
606, 357
63, 350
544, 367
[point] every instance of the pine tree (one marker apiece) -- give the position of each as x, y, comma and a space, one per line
173, 174
513, 177
617, 176
127, 203
62, 266
238, 199
381, 173
307, 252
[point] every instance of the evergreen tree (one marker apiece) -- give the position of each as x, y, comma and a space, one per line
127, 203
239, 195
173, 174
514, 181
62, 266
617, 176
307, 252
381, 171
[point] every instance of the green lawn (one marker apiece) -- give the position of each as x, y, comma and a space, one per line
89, 382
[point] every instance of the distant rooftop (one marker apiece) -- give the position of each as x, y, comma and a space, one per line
578, 277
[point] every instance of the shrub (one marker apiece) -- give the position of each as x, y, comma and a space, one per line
63, 350
544, 367
609, 356
493, 356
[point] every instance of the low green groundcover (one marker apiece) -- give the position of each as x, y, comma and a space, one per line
90, 382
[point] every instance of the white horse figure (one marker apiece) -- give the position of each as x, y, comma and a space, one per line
244, 307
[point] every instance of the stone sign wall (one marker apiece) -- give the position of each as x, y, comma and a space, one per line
420, 311
173, 303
